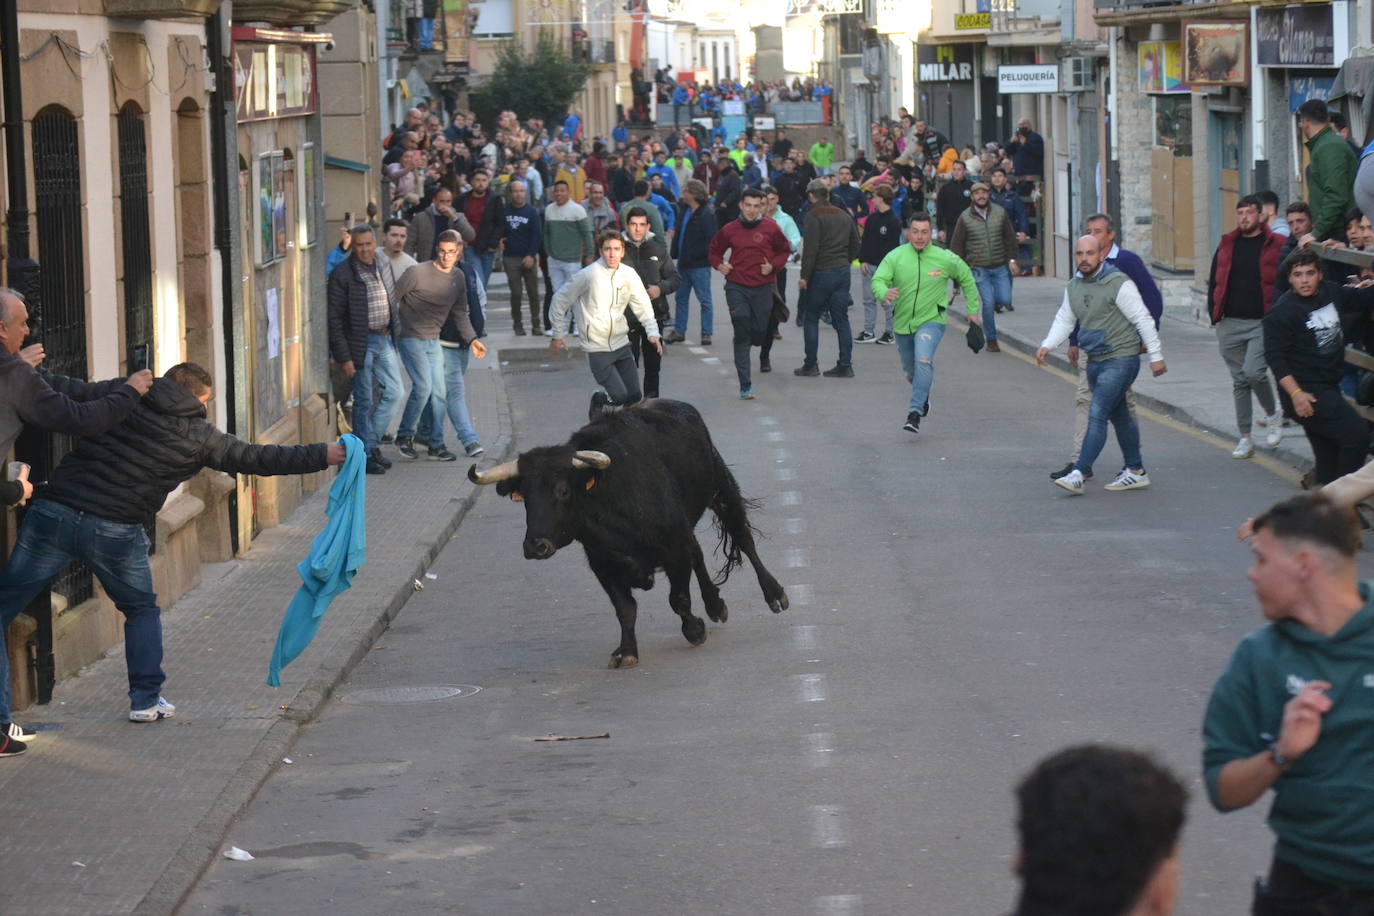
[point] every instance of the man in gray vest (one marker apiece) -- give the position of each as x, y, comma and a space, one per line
985, 239
1112, 321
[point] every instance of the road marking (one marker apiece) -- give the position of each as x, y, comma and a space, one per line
724, 371
820, 749
781, 454
785, 473
829, 827
796, 558
700, 351
840, 905
775, 435
768, 421
789, 498
804, 635
810, 687
794, 526
711, 360
801, 595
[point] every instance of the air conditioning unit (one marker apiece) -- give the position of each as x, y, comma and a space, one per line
1076, 74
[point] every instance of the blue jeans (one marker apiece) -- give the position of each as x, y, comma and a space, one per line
455, 365
482, 263
1109, 380
381, 365
827, 291
918, 361
699, 279
994, 288
53, 535
424, 362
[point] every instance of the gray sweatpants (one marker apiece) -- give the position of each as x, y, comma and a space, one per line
615, 371
1241, 341
871, 303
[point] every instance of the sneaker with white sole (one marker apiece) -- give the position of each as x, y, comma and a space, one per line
1244, 448
18, 732
159, 710
1273, 433
865, 337
1072, 481
11, 748
1129, 480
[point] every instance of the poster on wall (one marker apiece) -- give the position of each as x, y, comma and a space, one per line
269, 201
1296, 36
1216, 52
1159, 66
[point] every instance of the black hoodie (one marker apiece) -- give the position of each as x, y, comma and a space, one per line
125, 474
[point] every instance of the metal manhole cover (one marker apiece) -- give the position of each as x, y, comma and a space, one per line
423, 693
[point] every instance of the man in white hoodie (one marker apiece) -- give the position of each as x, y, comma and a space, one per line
600, 292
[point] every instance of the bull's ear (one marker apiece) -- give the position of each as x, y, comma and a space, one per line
588, 479
510, 488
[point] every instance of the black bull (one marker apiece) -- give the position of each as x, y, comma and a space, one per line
631, 488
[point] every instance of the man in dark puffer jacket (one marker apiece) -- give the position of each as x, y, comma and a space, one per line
107, 489
649, 258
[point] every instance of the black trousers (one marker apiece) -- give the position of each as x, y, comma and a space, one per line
645, 355
1338, 435
1288, 891
767, 347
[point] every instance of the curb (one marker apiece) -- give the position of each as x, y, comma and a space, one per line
180, 877
1289, 457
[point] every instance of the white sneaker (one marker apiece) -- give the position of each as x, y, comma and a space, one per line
159, 710
1273, 433
1072, 481
1244, 448
1131, 480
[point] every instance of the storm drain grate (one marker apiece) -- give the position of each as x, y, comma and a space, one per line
421, 693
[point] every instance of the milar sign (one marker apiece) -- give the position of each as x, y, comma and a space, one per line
944, 63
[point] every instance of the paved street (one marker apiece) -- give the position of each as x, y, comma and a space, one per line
954, 618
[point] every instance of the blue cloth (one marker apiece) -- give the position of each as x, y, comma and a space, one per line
337, 255
620, 134
665, 210
572, 127
336, 555
669, 179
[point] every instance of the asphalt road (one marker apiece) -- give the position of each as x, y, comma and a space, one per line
954, 618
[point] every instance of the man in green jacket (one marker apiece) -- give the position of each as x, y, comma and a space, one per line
822, 156
1330, 176
1292, 712
915, 278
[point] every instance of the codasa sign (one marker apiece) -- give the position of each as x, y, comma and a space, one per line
1028, 78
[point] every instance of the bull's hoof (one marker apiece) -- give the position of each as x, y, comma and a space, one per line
694, 628
620, 660
719, 614
779, 604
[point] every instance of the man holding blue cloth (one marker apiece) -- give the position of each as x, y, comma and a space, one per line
104, 493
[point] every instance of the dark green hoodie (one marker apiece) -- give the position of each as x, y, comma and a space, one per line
1323, 811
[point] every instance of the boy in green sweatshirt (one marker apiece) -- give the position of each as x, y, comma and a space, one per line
914, 279
1294, 711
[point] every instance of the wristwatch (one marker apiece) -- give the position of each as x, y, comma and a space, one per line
1277, 757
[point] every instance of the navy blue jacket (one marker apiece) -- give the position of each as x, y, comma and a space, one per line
692, 244
524, 232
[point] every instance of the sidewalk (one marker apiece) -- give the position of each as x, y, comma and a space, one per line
105, 816
1196, 391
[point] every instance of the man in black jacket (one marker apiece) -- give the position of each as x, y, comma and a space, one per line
696, 226
105, 492
830, 243
31, 396
1304, 345
486, 213
649, 258
791, 190
882, 233
362, 330
728, 190
952, 200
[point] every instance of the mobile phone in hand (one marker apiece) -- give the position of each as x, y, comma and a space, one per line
138, 358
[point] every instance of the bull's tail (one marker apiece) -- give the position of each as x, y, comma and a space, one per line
732, 520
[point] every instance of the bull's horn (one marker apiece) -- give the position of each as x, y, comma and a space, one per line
598, 460
495, 475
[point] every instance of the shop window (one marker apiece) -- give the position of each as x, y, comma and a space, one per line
1174, 124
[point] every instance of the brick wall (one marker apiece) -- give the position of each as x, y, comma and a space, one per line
1135, 136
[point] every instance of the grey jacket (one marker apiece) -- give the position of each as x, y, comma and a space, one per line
420, 239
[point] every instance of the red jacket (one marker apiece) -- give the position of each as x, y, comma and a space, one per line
596, 170
1220, 277
749, 250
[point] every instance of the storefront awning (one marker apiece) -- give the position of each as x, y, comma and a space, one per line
1355, 84
335, 162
